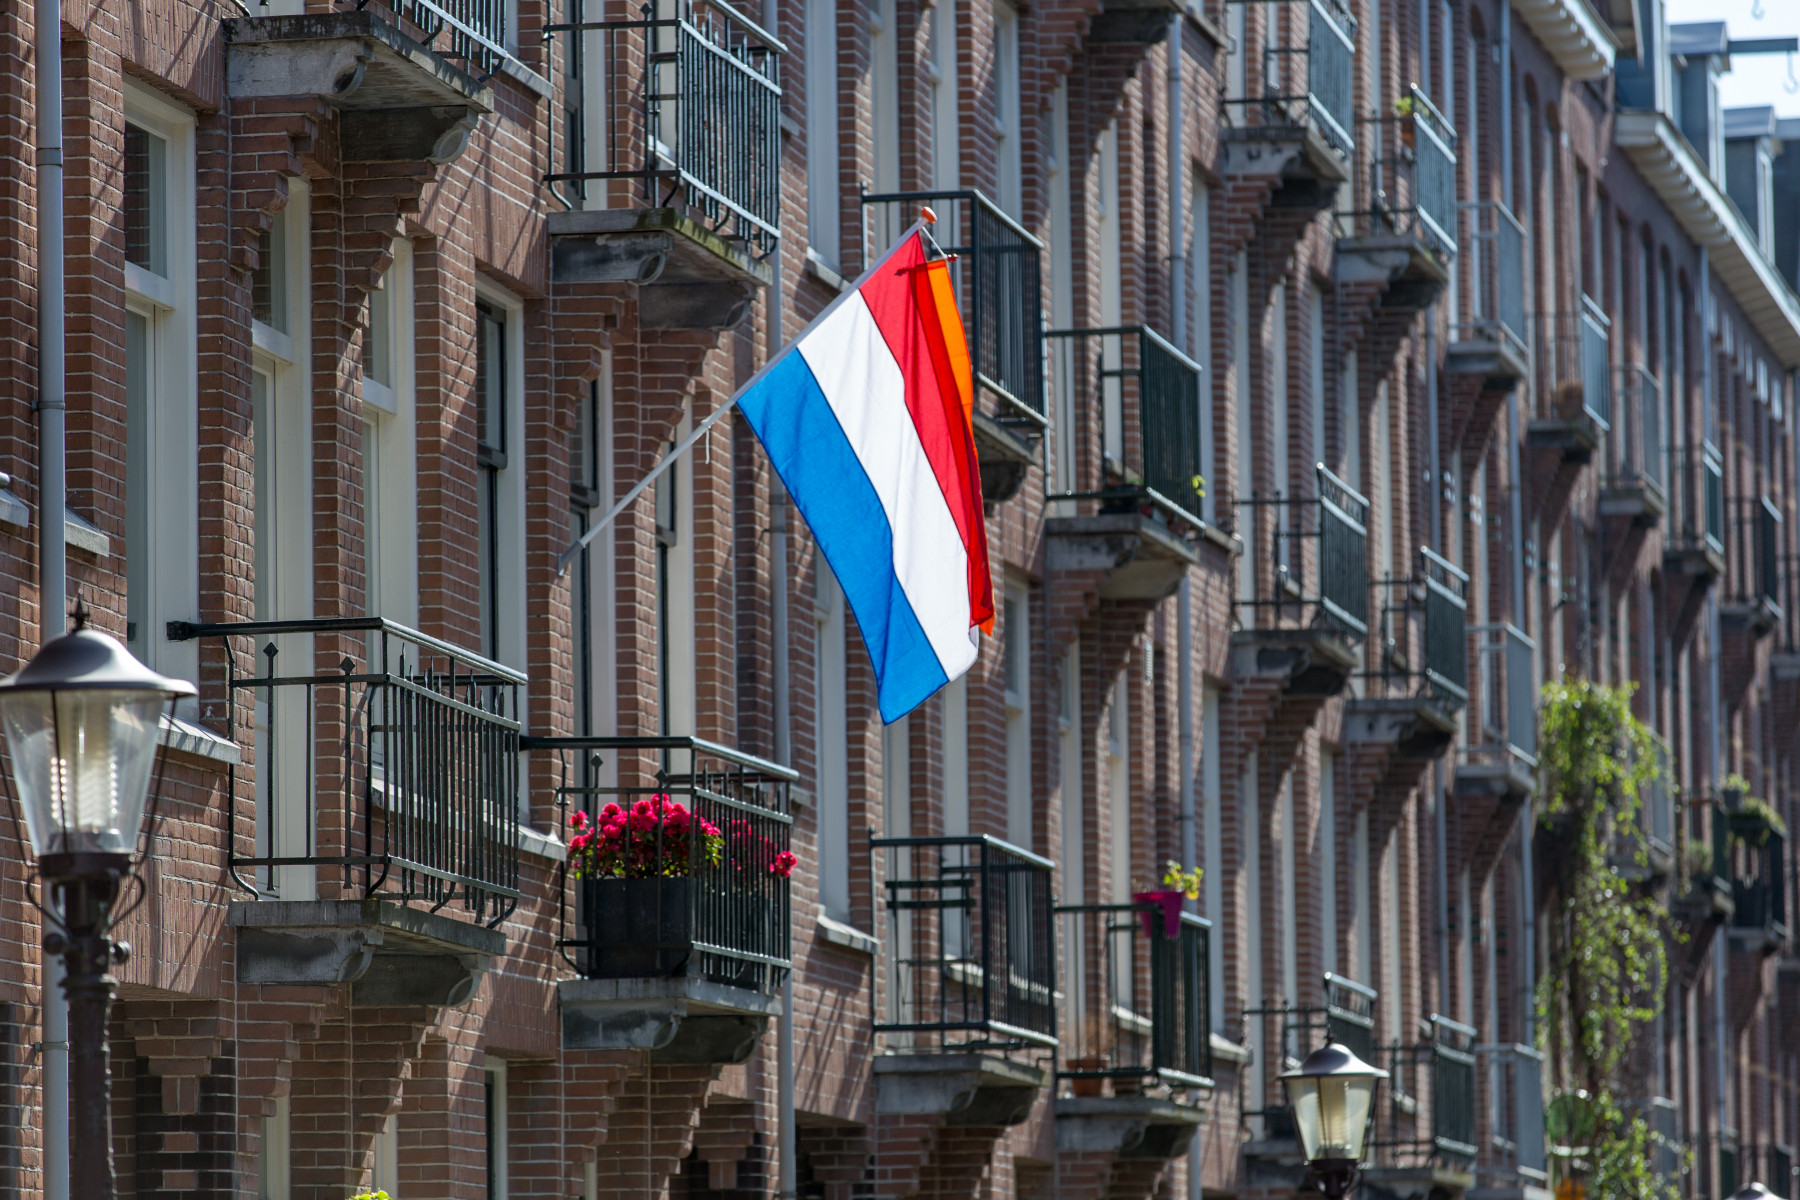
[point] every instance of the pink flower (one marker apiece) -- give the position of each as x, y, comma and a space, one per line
783, 864
578, 819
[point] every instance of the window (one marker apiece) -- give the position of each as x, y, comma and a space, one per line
268, 283
1238, 288
389, 449
1360, 962
822, 200
1118, 778
500, 523
273, 1154
675, 592
1008, 137
1016, 614
1212, 831
896, 778
945, 103
162, 504
884, 95
1255, 986
590, 491
956, 757
385, 1176
1074, 823
1199, 307
1315, 384
831, 744
1328, 855
497, 1120
1290, 951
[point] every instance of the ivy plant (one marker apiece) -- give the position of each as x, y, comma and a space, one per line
1606, 939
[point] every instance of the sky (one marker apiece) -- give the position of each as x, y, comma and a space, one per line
1754, 78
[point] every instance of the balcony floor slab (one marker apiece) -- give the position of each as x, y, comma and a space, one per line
1313, 662
1309, 169
1417, 727
1129, 1126
1005, 455
652, 247
1142, 558
968, 1089
678, 1020
1500, 364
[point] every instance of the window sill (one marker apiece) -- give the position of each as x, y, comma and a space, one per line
193, 741
80, 534
541, 845
822, 271
1226, 1050
847, 936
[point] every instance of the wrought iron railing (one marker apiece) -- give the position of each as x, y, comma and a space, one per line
472, 32
1308, 71
1136, 1003
1574, 373
998, 281
1515, 1150
691, 106
1145, 395
1668, 1152
1281, 1035
1424, 632
1759, 884
1496, 266
1697, 498
1334, 523
1758, 547
1442, 1068
1508, 690
397, 771
654, 900
1636, 454
1412, 177
970, 945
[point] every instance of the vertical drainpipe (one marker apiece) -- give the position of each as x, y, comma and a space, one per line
1434, 496
786, 1142
53, 583
1716, 748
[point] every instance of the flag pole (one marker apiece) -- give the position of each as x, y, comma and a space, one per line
926, 218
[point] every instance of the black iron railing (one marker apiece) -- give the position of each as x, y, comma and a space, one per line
1308, 71
969, 947
1697, 498
1635, 458
696, 883
1759, 884
691, 106
1515, 1150
1412, 177
1441, 1071
1282, 1035
1758, 538
1136, 996
1715, 1164
1495, 259
1334, 524
1574, 374
1145, 396
398, 769
1424, 632
472, 32
1508, 695
998, 280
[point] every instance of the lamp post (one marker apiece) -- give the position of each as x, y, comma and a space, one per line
1754, 1191
1332, 1094
82, 720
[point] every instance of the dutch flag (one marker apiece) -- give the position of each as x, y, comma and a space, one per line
867, 418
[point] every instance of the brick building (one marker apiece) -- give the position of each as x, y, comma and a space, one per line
1345, 372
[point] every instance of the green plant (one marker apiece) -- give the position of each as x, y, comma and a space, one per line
1734, 788
1605, 942
371, 1196
1185, 880
1754, 819
1405, 106
1696, 860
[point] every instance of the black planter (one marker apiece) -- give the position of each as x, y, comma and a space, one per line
638, 928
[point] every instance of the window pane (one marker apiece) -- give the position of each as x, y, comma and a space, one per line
378, 352
137, 491
268, 283
145, 208
372, 519
490, 379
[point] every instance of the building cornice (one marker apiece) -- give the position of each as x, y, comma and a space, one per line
1664, 158
1579, 41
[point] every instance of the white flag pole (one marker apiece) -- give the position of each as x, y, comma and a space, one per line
927, 217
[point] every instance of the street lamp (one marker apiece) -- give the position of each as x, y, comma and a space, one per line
1753, 1191
82, 720
1332, 1094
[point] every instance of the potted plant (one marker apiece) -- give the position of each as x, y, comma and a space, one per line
1178, 884
1406, 111
636, 870
753, 860
1753, 819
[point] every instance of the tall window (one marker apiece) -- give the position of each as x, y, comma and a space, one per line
896, 778
884, 89
956, 756
1074, 825
500, 495
385, 1177
1328, 844
1212, 832
1017, 655
1238, 287
1008, 137
590, 492
945, 103
1199, 308
161, 380
831, 745
822, 219
675, 592
1118, 778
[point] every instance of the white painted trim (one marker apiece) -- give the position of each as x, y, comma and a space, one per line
393, 552
510, 543
1580, 43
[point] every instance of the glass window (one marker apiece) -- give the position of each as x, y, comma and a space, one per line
269, 282
139, 352
1016, 613
490, 458
378, 351
146, 200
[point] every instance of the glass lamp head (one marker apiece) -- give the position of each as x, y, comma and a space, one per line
1332, 1094
82, 720
1753, 1191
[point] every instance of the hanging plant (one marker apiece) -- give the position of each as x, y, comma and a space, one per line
1754, 819
1606, 940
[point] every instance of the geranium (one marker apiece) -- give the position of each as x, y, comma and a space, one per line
751, 851
656, 836
783, 864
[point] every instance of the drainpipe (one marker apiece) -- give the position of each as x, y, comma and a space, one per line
1506, 104
1716, 749
53, 583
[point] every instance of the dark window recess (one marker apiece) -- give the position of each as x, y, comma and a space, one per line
144, 204
584, 452
262, 280
490, 460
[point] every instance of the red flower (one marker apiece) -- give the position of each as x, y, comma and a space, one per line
783, 864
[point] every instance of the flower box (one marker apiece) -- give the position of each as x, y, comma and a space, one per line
638, 928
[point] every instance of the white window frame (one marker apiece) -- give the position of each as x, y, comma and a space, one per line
896, 779
509, 515
824, 219
679, 708
1007, 118
1200, 321
1074, 823
602, 579
831, 742
384, 1175
391, 526
1016, 654
170, 570
946, 102
274, 1160
884, 96
1213, 852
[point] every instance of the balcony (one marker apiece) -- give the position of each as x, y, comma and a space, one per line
1513, 1165
1137, 1052
998, 282
1709, 896
1694, 547
409, 78
683, 197
383, 813
1645, 850
1573, 395
1491, 342
681, 942
967, 978
1416, 1158
1406, 236
1295, 119
1758, 889
1757, 544
1138, 489
1500, 763
1635, 487
1418, 676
